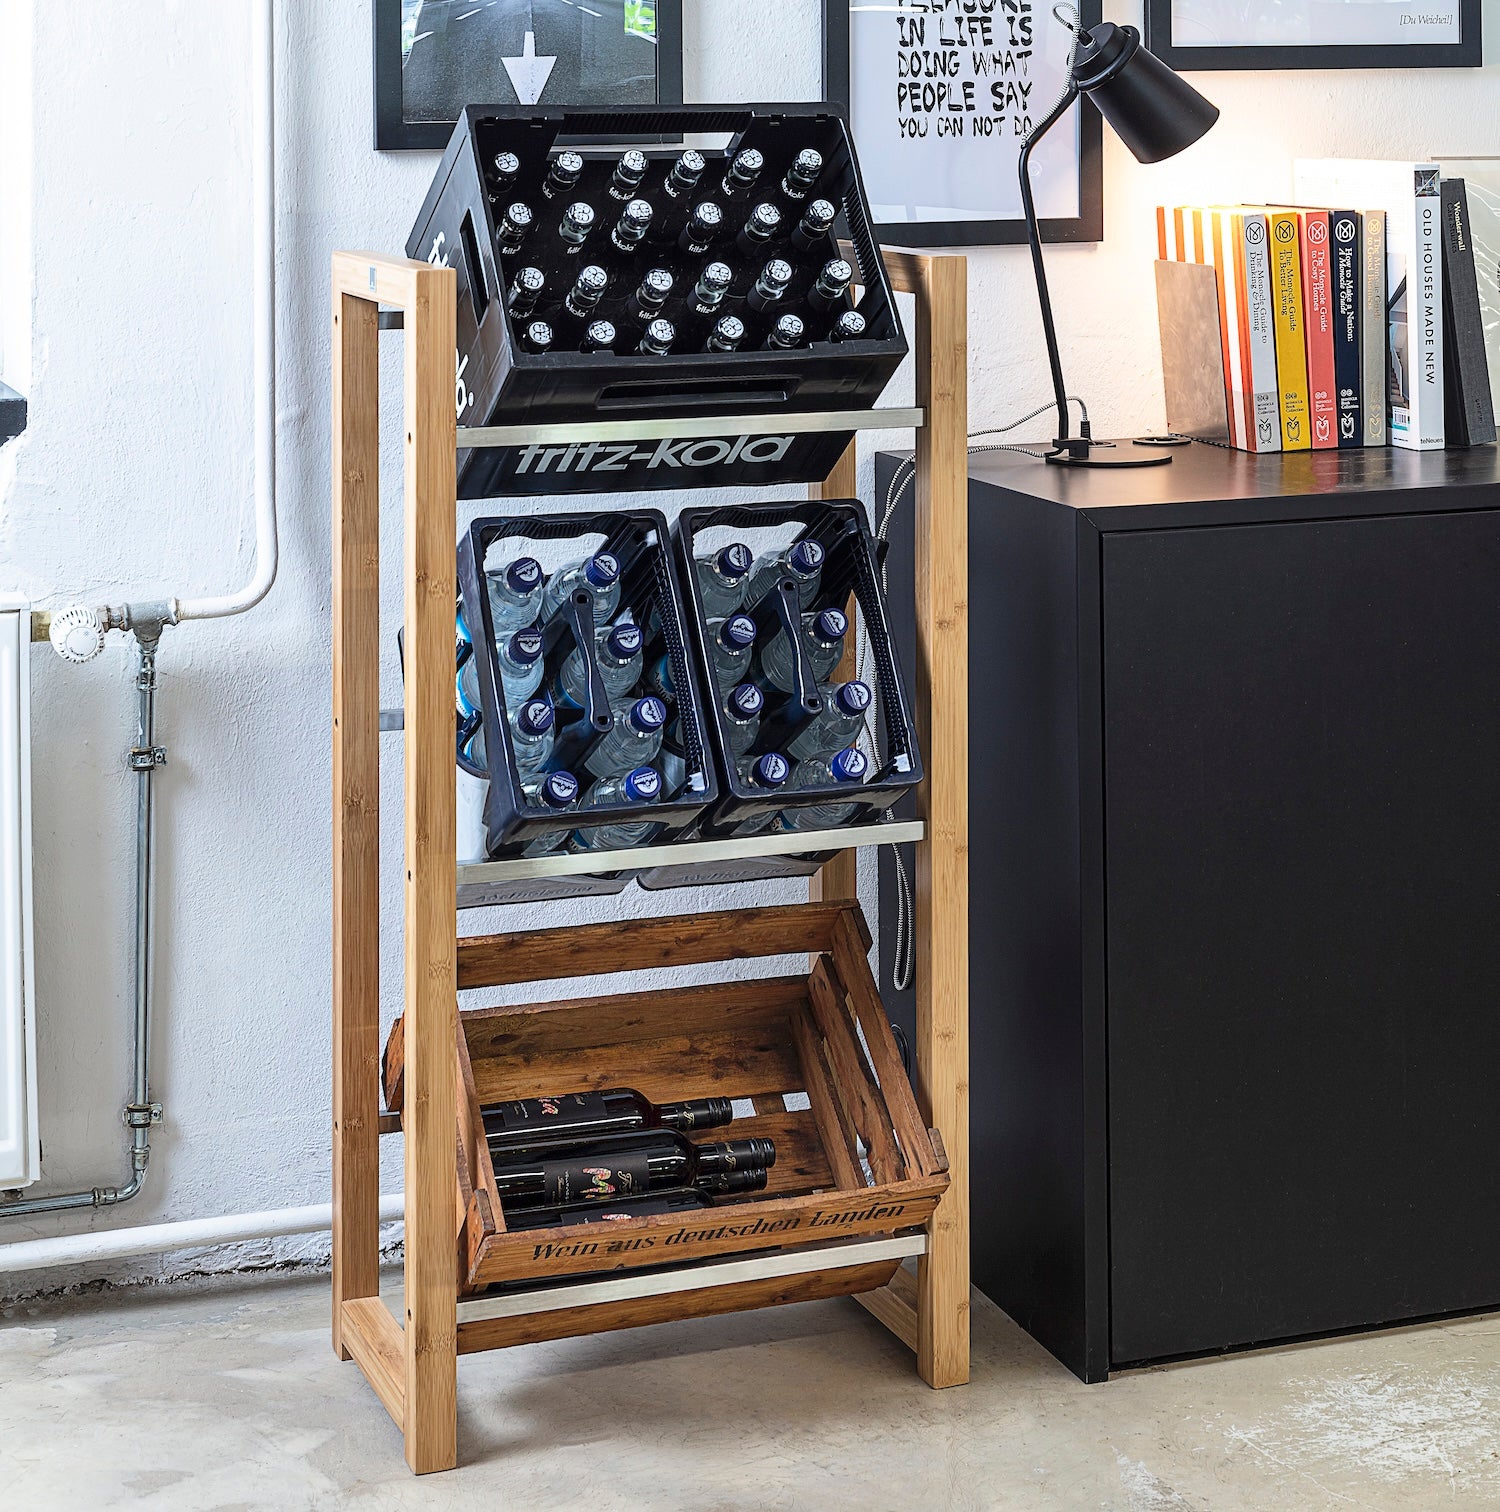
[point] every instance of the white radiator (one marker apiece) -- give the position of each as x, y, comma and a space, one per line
20, 1148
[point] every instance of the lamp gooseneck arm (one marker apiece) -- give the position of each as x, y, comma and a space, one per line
1034, 236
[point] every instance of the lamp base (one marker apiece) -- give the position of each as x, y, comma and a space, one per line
1075, 452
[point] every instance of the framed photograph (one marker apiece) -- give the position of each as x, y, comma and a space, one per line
940, 96
433, 57
1231, 34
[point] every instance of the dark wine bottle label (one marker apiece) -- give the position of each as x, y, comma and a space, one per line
596, 1179
539, 1115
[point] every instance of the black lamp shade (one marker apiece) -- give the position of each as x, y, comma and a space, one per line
1153, 111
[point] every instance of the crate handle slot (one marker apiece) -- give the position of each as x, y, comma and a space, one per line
478, 288
707, 394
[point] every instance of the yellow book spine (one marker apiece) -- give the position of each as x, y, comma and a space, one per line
1291, 341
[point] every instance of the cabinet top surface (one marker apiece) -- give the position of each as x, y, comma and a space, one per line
1360, 481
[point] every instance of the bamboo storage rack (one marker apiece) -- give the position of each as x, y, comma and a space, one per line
437, 1055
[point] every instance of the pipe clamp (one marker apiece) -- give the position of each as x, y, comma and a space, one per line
141, 1115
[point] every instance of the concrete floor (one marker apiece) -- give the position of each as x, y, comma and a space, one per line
226, 1397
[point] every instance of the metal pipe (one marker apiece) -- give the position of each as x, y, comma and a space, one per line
140, 1112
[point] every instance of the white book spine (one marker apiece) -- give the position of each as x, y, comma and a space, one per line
1262, 334
1425, 314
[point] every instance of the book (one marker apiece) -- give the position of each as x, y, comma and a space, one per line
1469, 415
1287, 323
1252, 270
1374, 389
1481, 176
1317, 325
1346, 269
1409, 194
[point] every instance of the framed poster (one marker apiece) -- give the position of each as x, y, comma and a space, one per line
433, 57
940, 95
1243, 34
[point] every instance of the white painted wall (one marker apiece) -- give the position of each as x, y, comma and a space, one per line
134, 480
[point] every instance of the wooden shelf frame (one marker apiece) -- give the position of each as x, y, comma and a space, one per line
411, 1363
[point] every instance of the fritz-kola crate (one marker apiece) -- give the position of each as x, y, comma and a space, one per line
823, 1034
502, 380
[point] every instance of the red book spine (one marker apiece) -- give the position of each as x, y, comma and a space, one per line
1317, 296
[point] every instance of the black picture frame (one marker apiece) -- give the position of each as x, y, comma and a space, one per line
395, 133
1086, 226
1468, 52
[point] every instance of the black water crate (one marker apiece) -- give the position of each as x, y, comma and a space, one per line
498, 382
639, 540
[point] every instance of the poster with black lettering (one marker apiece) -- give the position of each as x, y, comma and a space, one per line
941, 95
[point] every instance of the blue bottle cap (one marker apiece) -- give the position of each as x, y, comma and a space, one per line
525, 647
643, 784
771, 770
849, 766
805, 556
625, 640
602, 570
737, 632
746, 700
535, 717
830, 624
734, 560
648, 714
523, 574
559, 789
853, 697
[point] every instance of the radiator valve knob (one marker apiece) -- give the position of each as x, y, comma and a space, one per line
77, 634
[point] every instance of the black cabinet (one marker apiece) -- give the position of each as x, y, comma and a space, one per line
1235, 869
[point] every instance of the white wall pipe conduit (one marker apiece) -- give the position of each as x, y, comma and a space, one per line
160, 1238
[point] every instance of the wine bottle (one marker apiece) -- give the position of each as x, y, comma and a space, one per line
850, 326
683, 177
702, 227
562, 173
759, 230
577, 222
536, 338
803, 174
832, 285
608, 1212
631, 228
650, 296
504, 169
656, 340
743, 172
525, 289
817, 221
532, 1120
588, 289
770, 286
713, 284
786, 334
600, 337
627, 1165
514, 225
727, 334
629, 172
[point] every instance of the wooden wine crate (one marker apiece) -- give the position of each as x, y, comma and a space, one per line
822, 1031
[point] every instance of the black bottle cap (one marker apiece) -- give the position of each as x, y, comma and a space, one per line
731, 1154
747, 1179
507, 166
818, 217
716, 277
699, 1113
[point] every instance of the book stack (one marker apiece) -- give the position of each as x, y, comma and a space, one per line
1351, 319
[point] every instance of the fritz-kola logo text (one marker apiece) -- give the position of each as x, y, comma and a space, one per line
604, 456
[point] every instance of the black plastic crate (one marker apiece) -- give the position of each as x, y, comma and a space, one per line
851, 571
498, 383
639, 538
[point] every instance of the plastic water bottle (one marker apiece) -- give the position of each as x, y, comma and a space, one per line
519, 658
850, 766
731, 643
531, 735
600, 574
641, 786
515, 594
722, 578
742, 711
762, 774
634, 740
618, 648
822, 634
839, 725
555, 792
658, 680
802, 561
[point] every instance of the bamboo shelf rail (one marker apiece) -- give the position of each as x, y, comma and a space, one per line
412, 1363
